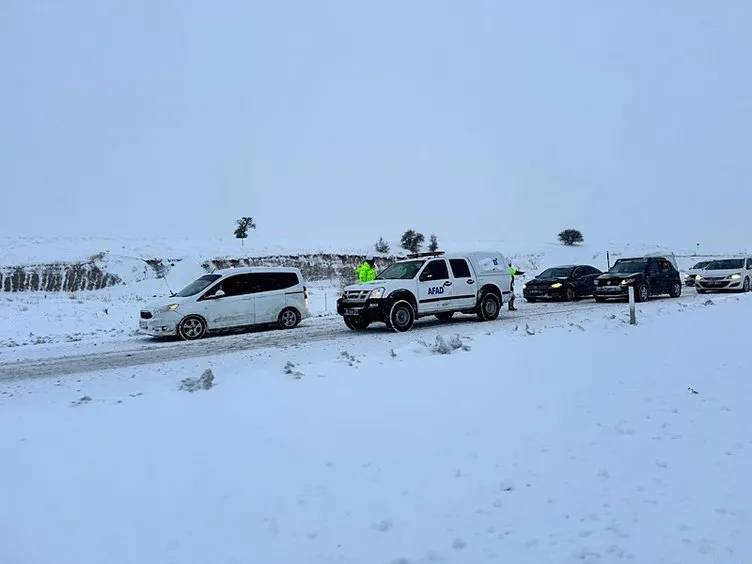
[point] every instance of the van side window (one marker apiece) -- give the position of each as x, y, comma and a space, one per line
460, 269
435, 270
236, 285
268, 282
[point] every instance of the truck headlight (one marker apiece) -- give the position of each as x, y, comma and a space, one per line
735, 276
172, 307
556, 285
376, 294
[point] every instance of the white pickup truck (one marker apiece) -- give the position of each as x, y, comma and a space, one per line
429, 284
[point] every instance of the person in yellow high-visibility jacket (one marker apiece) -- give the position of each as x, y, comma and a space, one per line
366, 271
513, 271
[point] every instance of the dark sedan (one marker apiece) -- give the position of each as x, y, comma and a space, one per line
562, 283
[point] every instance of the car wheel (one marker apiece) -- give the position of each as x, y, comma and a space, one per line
489, 307
745, 287
642, 294
401, 316
356, 323
445, 316
571, 296
288, 318
191, 328
676, 290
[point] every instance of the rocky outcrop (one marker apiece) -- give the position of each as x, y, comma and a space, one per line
57, 277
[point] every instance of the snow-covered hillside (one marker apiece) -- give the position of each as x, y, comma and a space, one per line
533, 439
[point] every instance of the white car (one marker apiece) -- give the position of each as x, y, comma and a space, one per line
230, 298
429, 284
725, 274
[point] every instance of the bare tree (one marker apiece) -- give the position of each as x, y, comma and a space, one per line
571, 237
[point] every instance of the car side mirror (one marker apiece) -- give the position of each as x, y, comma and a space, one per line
217, 294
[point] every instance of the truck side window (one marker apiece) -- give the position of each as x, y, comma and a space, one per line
460, 268
435, 270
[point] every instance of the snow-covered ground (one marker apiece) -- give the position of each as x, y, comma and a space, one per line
558, 433
570, 437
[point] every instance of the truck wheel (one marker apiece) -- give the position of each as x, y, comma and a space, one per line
642, 294
676, 290
191, 328
356, 323
401, 316
489, 307
445, 316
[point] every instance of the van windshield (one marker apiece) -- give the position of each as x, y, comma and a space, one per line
198, 285
401, 270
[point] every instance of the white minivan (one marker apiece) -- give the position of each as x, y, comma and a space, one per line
224, 299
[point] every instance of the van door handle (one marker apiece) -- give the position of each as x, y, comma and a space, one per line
448, 283
471, 281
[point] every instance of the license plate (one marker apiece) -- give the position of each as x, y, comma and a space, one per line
352, 312
142, 324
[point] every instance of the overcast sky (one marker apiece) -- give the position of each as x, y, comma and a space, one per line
343, 121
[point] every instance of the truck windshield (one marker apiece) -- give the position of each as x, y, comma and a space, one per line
629, 266
401, 270
198, 285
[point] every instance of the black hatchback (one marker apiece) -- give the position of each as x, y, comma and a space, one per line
650, 276
568, 283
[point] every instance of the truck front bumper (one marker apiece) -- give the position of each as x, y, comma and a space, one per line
370, 310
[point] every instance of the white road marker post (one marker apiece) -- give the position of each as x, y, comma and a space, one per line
632, 312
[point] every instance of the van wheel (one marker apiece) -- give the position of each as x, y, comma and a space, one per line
489, 307
401, 316
676, 290
288, 318
445, 316
191, 328
356, 323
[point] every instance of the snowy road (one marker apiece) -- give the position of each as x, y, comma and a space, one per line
38, 362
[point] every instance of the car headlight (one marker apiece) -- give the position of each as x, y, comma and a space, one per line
556, 285
735, 276
524, 286
627, 281
698, 277
376, 293
172, 307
